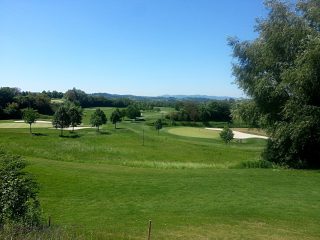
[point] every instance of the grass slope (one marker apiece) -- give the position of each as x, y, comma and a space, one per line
117, 202
107, 185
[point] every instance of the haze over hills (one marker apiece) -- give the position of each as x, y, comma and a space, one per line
196, 96
166, 96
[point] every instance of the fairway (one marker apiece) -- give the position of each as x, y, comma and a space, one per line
109, 184
194, 132
116, 202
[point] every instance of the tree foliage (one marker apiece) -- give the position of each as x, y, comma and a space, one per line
226, 134
98, 118
75, 114
115, 117
158, 125
12, 101
280, 71
133, 112
204, 112
29, 116
61, 118
18, 193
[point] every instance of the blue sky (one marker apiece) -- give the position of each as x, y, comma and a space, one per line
141, 47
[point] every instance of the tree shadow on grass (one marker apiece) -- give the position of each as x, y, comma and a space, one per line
39, 134
70, 136
103, 132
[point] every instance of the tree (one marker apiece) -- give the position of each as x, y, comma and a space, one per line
75, 114
280, 72
226, 134
115, 117
18, 193
7, 95
61, 118
98, 118
247, 111
77, 96
29, 116
158, 125
133, 112
123, 113
12, 110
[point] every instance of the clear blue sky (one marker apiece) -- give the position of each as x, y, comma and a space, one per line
141, 47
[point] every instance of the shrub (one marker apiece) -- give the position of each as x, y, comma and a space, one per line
19, 203
256, 164
226, 134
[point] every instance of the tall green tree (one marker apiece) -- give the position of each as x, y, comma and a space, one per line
98, 118
158, 125
133, 112
115, 117
30, 116
61, 118
280, 71
75, 114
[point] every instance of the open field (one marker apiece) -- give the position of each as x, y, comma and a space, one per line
107, 185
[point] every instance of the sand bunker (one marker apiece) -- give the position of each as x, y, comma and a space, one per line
71, 128
240, 135
39, 121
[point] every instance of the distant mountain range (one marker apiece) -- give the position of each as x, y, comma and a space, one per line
197, 97
163, 97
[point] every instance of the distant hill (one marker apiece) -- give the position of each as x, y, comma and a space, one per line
164, 97
197, 97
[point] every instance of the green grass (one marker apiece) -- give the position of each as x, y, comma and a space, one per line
107, 185
183, 204
194, 132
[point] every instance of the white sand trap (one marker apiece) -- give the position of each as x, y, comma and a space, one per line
71, 128
240, 135
21, 121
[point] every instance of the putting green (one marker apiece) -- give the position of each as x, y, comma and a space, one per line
194, 132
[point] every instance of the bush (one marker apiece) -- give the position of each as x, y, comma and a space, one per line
256, 164
19, 203
226, 134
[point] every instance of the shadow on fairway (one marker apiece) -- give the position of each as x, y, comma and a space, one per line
70, 136
39, 134
103, 133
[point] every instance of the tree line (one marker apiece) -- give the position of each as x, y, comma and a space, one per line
13, 101
213, 110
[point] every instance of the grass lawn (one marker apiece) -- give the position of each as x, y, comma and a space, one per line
117, 201
194, 132
107, 185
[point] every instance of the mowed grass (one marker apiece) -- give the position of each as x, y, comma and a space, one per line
124, 146
194, 132
108, 185
116, 202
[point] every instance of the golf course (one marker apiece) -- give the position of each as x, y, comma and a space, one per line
160, 120
186, 180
